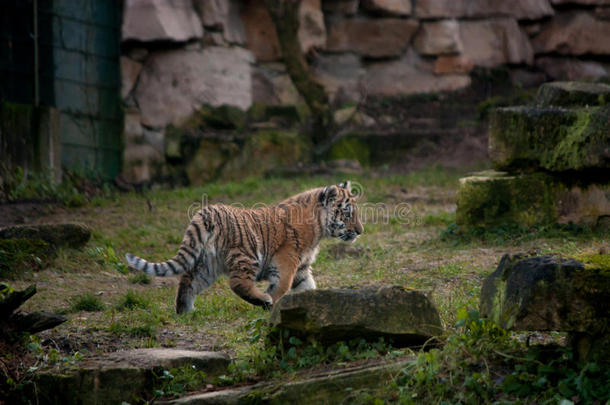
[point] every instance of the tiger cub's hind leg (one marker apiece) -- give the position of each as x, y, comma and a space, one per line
242, 276
191, 284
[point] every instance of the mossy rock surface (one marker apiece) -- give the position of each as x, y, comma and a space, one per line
122, 376
405, 317
286, 116
556, 139
72, 235
351, 148
497, 198
209, 159
493, 198
223, 117
573, 94
264, 151
332, 387
550, 293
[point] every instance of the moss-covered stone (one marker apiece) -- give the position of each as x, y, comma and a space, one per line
331, 388
573, 94
494, 198
552, 138
223, 117
406, 317
352, 148
211, 156
549, 293
122, 376
263, 151
72, 235
286, 116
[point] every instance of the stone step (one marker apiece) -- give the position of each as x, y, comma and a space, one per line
331, 387
566, 94
122, 376
402, 316
549, 293
556, 139
493, 198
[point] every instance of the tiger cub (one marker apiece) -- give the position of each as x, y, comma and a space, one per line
276, 243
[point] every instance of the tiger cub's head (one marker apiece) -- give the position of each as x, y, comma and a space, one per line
340, 212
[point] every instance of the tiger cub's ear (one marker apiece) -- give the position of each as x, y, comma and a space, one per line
328, 195
346, 185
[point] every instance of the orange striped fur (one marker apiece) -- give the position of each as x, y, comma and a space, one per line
276, 243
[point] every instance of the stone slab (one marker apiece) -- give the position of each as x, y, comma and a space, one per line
122, 376
557, 139
491, 198
565, 94
405, 316
329, 387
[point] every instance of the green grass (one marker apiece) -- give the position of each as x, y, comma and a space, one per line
87, 302
140, 278
133, 300
417, 248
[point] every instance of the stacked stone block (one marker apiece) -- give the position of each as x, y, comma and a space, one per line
551, 160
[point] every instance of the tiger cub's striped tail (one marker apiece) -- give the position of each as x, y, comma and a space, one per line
188, 254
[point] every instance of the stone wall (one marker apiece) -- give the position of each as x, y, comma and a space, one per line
180, 55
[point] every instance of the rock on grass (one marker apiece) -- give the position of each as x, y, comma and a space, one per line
404, 317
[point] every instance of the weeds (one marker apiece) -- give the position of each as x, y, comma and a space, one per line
140, 278
133, 300
87, 302
178, 381
481, 363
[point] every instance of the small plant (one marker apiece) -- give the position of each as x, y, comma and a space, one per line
178, 381
87, 302
481, 363
140, 278
280, 353
133, 300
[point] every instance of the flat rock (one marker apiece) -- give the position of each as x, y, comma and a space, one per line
340, 74
492, 199
495, 41
573, 93
439, 37
345, 7
116, 377
223, 15
166, 20
329, 387
520, 9
371, 37
72, 235
453, 64
272, 85
585, 2
550, 293
574, 34
312, 30
151, 358
410, 75
397, 8
552, 138
406, 317
571, 68
174, 83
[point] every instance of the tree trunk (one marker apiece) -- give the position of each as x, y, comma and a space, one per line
285, 16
